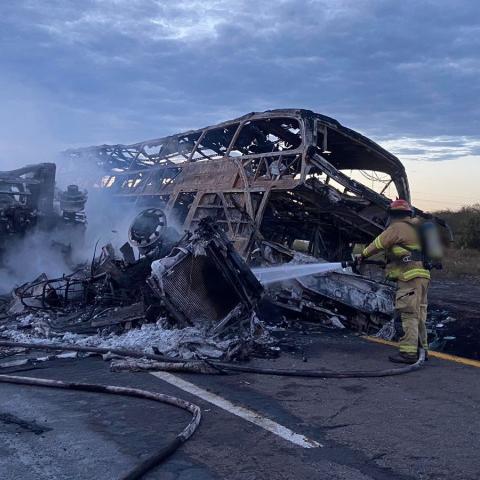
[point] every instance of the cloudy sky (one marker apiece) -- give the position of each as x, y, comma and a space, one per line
405, 73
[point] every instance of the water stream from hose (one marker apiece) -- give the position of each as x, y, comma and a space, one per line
278, 273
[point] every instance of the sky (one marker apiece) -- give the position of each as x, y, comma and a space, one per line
404, 73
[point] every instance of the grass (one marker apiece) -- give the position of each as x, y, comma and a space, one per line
465, 225
460, 262
462, 259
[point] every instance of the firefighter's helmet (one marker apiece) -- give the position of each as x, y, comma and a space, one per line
400, 205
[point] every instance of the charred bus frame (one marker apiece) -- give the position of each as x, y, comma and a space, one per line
279, 175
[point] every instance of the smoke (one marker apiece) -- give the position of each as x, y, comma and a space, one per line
28, 258
108, 221
25, 139
62, 249
108, 218
30, 134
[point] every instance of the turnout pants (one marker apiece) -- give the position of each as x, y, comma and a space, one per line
411, 304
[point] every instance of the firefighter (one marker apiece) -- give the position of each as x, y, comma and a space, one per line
400, 243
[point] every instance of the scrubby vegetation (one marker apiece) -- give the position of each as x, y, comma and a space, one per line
463, 258
460, 262
465, 224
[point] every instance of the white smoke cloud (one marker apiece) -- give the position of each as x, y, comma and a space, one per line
27, 137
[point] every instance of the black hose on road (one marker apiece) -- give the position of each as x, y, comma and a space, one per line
165, 452
229, 367
389, 372
141, 469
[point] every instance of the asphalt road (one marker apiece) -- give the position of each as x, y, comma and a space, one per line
423, 425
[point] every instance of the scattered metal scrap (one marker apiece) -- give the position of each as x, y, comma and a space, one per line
202, 282
205, 280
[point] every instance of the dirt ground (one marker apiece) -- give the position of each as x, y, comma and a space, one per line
454, 316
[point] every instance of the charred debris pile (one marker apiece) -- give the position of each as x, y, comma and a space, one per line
196, 286
282, 186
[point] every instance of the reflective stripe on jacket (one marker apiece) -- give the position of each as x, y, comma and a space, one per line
401, 245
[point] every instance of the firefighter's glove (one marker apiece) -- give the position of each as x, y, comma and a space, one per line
359, 259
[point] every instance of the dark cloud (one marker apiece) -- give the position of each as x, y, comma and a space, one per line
118, 70
434, 148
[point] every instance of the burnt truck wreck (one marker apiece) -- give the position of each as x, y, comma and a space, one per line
285, 186
29, 202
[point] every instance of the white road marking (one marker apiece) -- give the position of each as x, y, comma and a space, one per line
239, 411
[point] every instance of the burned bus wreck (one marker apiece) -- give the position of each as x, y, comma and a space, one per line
279, 176
284, 185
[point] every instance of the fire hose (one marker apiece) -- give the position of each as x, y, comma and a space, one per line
222, 367
151, 462
217, 367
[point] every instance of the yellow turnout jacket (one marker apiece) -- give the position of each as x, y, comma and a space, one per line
401, 244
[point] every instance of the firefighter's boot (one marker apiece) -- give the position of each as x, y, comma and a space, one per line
403, 358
